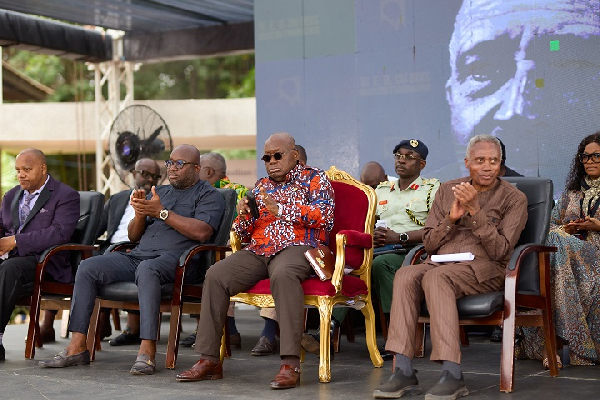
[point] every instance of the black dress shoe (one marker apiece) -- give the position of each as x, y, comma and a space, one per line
62, 360
265, 347
125, 338
189, 340
496, 335
386, 354
2, 353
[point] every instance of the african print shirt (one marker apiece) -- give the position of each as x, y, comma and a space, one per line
307, 201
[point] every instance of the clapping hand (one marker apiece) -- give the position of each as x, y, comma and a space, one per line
146, 208
465, 201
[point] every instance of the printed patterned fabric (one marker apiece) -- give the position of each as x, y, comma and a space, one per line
225, 183
575, 279
307, 200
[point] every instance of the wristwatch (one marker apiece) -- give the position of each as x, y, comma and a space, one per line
403, 237
163, 214
279, 210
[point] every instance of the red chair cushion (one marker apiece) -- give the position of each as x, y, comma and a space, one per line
351, 286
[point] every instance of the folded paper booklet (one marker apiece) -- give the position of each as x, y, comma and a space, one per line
452, 257
322, 260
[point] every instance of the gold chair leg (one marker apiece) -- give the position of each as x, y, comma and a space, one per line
371, 338
325, 309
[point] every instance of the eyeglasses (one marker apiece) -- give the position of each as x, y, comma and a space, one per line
406, 157
148, 175
179, 164
277, 156
586, 157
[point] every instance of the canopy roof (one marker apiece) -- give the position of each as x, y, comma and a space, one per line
154, 29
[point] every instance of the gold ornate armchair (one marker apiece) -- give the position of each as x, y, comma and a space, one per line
351, 241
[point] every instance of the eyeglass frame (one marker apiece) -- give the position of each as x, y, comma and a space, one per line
147, 174
278, 155
179, 164
595, 157
406, 157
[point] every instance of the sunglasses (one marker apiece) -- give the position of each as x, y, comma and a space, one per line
277, 156
179, 164
586, 157
148, 175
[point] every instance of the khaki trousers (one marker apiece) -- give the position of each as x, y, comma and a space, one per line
238, 273
440, 285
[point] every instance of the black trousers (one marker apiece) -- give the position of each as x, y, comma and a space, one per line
15, 273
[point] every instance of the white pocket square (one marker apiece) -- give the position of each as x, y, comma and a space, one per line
43, 210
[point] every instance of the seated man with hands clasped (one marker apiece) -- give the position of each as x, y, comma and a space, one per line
295, 213
169, 221
38, 213
480, 214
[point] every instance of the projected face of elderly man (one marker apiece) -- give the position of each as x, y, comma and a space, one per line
521, 66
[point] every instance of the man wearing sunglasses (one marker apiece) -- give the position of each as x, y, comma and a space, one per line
295, 213
115, 219
166, 222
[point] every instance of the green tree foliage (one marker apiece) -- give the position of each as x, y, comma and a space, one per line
207, 78
9, 177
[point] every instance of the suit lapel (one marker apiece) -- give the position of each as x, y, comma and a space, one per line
14, 209
41, 201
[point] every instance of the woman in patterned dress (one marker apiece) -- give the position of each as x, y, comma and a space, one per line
575, 267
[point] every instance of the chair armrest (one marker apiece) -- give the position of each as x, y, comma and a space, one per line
357, 239
522, 250
414, 255
340, 261
235, 241
67, 246
192, 251
121, 246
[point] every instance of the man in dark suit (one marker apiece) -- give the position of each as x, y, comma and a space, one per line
38, 213
115, 219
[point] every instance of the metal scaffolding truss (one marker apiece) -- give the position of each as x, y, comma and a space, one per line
116, 79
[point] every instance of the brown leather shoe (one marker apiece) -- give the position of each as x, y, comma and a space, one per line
287, 378
202, 370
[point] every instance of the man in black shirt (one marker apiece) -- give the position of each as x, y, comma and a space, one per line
166, 223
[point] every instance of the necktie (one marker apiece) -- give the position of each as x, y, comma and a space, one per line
25, 208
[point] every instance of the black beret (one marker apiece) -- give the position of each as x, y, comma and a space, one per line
414, 145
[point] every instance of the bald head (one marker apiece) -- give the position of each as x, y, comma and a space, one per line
282, 139
31, 169
280, 148
187, 152
302, 157
372, 174
35, 154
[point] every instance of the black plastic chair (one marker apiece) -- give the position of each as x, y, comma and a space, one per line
526, 287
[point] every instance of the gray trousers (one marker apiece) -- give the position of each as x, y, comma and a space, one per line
147, 273
238, 273
14, 274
